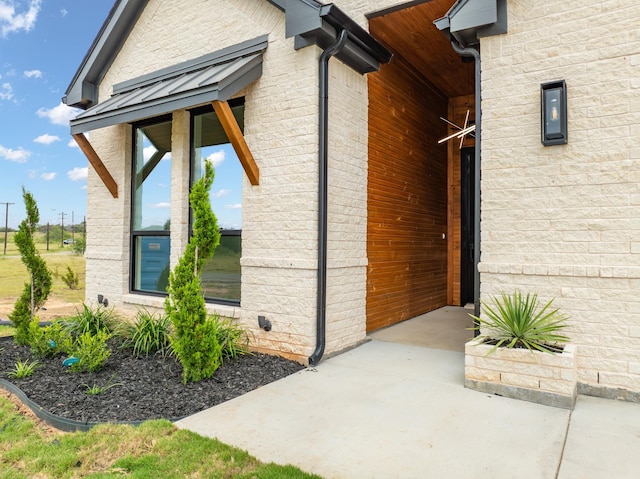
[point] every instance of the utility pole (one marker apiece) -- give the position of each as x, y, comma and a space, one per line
62, 215
47, 236
6, 224
73, 228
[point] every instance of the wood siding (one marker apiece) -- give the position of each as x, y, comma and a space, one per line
407, 197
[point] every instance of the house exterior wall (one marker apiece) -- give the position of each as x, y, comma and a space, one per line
563, 221
279, 261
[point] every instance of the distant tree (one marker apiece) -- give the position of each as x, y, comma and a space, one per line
35, 292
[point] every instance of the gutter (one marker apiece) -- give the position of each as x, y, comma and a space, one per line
323, 127
475, 53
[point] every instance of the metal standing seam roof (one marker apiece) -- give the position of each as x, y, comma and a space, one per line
217, 76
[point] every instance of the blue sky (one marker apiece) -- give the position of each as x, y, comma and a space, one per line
42, 43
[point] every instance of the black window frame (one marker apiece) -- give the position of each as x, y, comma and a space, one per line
233, 103
133, 233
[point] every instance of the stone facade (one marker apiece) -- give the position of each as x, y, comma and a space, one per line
535, 376
279, 260
560, 221
563, 221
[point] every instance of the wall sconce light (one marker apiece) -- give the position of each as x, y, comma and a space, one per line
103, 301
553, 112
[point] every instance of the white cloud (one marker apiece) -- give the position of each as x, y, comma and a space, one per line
78, 174
72, 144
19, 156
59, 115
63, 12
46, 139
216, 158
48, 176
162, 204
33, 74
13, 22
221, 193
237, 206
6, 92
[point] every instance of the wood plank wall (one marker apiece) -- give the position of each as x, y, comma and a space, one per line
457, 112
407, 197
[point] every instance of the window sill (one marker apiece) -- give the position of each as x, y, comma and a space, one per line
158, 302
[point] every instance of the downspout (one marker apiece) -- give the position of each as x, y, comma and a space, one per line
323, 126
476, 234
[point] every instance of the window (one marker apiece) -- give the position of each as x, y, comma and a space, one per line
151, 200
221, 274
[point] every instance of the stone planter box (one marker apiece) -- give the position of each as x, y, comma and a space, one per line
538, 377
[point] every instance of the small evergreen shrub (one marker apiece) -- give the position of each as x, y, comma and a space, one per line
91, 350
70, 278
194, 339
35, 292
50, 340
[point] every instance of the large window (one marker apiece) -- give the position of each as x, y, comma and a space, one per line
221, 275
151, 200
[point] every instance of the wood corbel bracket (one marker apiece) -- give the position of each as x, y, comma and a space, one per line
231, 128
97, 163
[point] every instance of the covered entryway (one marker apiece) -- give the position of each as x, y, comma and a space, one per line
419, 248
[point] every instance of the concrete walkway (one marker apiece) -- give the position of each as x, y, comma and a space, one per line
391, 410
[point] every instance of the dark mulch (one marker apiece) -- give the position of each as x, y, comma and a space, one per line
146, 388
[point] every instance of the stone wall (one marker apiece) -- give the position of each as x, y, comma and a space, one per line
279, 260
563, 221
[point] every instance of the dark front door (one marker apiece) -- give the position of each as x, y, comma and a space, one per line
467, 158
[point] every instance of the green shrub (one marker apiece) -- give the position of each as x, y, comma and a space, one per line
35, 292
50, 340
194, 339
89, 321
91, 350
518, 322
148, 334
70, 278
79, 246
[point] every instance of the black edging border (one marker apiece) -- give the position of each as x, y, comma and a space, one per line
59, 422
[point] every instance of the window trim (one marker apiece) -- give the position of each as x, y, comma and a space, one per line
233, 103
133, 233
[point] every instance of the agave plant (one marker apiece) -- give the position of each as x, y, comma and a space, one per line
518, 321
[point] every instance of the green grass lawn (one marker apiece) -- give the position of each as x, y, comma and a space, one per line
13, 273
156, 449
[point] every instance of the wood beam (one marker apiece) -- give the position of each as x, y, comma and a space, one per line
97, 163
231, 128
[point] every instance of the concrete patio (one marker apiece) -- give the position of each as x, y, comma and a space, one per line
389, 409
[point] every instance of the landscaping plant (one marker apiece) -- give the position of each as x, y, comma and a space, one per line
89, 320
148, 334
23, 369
91, 350
36, 291
50, 340
95, 389
233, 339
70, 278
194, 339
518, 321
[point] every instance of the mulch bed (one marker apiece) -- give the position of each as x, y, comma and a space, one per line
145, 388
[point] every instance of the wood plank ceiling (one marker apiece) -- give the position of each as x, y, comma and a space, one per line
411, 34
